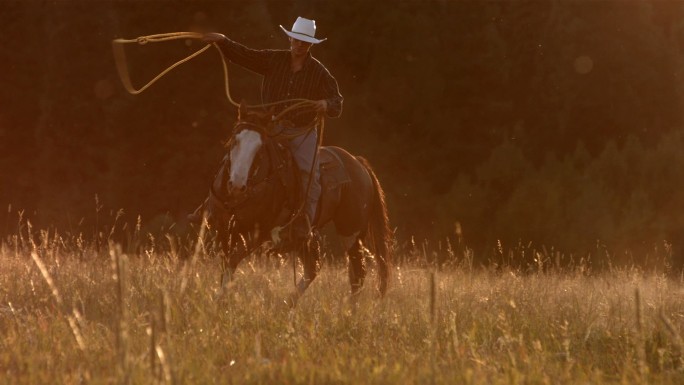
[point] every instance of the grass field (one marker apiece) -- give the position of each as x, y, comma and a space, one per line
71, 315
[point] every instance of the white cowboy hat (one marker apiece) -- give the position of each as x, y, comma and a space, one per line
304, 30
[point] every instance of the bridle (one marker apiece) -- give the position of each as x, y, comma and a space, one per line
229, 204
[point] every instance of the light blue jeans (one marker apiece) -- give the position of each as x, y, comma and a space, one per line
304, 149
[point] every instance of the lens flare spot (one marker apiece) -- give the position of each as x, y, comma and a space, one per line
583, 64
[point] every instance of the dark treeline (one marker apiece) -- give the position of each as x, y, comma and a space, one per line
552, 122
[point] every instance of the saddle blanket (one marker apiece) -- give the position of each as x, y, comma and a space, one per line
333, 173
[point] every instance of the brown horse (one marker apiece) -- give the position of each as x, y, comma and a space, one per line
254, 198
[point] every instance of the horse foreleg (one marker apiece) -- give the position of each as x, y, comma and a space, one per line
310, 256
232, 256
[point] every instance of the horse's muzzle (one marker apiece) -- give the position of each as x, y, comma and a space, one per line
236, 192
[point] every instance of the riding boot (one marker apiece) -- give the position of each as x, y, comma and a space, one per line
301, 227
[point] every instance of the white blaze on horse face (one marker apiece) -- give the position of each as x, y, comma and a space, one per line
247, 143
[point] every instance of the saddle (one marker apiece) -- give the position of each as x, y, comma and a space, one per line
333, 176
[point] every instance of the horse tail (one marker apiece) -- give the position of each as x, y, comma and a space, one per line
379, 232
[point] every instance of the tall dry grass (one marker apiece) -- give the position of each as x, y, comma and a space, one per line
72, 314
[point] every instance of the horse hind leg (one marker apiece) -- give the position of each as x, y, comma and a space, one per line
357, 267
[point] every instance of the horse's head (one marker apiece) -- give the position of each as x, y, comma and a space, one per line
248, 137
241, 182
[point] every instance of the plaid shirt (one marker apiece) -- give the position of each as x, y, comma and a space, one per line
312, 82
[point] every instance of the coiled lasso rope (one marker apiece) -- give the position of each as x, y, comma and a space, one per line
122, 68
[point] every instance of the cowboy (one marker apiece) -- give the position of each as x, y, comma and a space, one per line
293, 74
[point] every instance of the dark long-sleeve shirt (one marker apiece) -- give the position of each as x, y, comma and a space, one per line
313, 81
